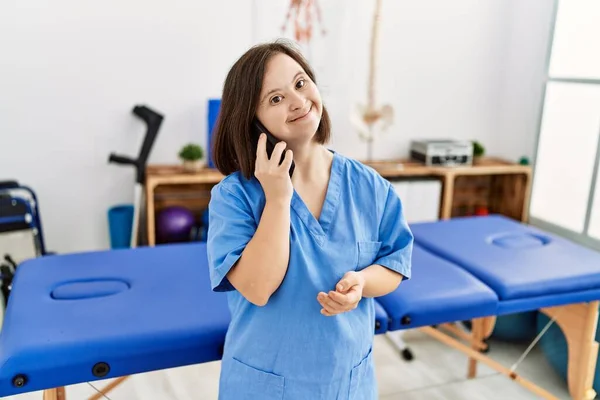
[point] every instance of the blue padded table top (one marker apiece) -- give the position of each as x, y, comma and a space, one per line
135, 310
516, 260
437, 292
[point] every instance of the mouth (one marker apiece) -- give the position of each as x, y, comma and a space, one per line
300, 118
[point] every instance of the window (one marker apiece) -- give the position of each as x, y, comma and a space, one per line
566, 186
576, 40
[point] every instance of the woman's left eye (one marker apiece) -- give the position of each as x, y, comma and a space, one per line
300, 84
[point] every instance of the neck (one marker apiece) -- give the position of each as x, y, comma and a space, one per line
313, 163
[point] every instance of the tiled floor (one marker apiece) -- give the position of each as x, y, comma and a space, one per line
437, 372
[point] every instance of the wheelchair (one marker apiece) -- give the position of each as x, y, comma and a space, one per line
21, 234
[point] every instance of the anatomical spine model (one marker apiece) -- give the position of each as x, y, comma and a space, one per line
366, 117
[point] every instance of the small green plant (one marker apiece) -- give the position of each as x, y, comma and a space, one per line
191, 152
478, 149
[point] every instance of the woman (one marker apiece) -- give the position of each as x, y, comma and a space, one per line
302, 257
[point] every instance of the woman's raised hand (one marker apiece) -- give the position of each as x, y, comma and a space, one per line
274, 178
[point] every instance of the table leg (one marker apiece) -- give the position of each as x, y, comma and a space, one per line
526, 199
477, 337
447, 196
450, 341
452, 328
104, 391
488, 326
578, 323
150, 214
55, 394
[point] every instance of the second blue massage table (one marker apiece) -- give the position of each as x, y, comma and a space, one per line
479, 268
109, 314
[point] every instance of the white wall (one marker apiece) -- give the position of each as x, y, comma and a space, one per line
70, 72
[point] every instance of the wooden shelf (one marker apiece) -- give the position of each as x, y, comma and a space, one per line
400, 168
491, 185
483, 166
159, 174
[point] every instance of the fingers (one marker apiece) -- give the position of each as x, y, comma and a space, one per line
277, 152
330, 305
326, 313
345, 298
336, 303
287, 162
261, 148
270, 165
327, 309
349, 300
349, 280
263, 158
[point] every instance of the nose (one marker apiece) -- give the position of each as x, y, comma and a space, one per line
296, 101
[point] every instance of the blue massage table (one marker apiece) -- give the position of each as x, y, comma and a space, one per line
109, 314
82, 317
526, 269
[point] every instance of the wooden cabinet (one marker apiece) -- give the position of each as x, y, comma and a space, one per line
490, 185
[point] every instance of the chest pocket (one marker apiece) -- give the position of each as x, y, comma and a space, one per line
367, 253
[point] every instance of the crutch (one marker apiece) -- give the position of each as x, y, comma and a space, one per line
153, 121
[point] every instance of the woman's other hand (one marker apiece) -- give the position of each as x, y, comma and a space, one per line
345, 298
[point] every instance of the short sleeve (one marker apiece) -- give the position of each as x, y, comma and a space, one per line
231, 225
394, 233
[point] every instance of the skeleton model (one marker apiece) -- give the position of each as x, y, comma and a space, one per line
366, 117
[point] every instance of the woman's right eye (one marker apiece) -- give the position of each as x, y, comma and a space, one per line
275, 99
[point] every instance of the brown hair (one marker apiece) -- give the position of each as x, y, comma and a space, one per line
233, 149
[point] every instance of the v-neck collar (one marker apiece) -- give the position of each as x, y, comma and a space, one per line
319, 228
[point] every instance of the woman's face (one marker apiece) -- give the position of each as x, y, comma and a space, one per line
290, 105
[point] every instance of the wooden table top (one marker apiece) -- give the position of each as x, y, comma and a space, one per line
157, 174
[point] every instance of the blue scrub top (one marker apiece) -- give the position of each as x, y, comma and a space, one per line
287, 349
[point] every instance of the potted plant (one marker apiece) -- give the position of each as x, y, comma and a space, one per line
478, 151
191, 154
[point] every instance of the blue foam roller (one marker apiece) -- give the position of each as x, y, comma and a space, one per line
120, 220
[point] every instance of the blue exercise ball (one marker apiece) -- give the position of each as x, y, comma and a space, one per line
554, 347
519, 327
174, 224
